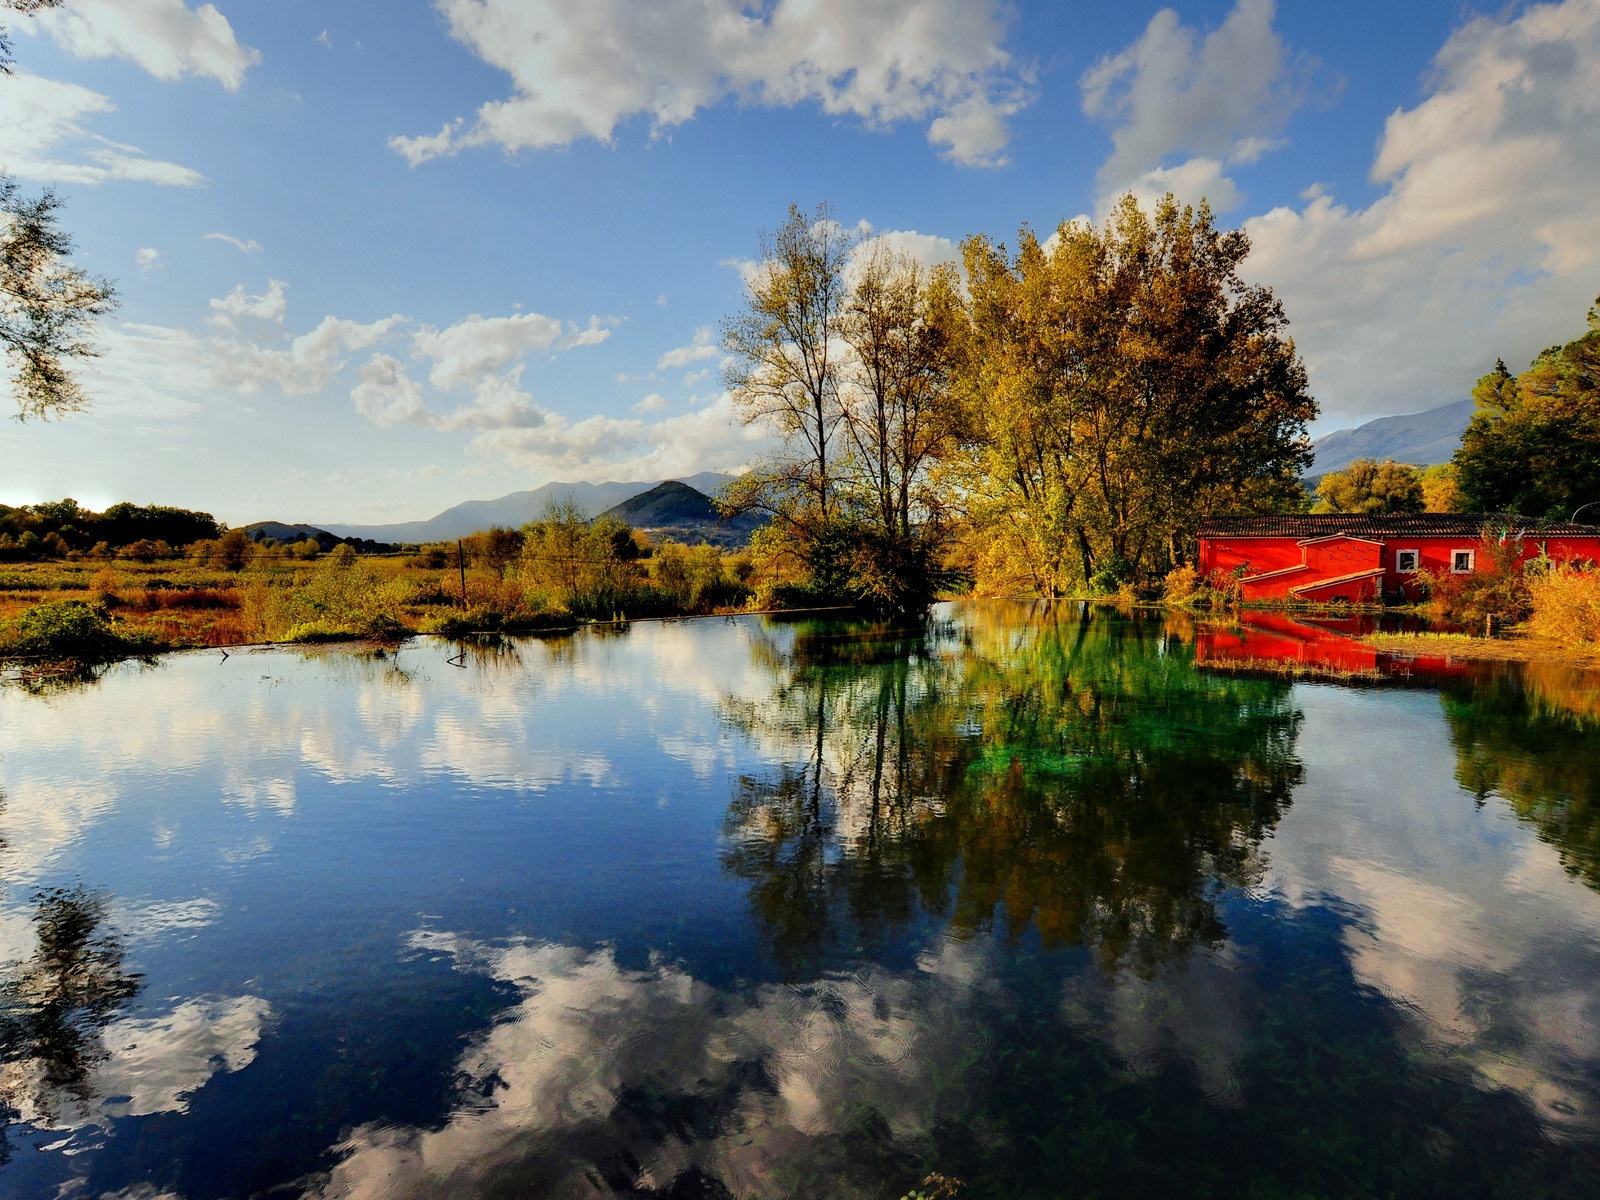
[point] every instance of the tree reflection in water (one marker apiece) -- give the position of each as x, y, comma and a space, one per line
1529, 737
1056, 771
54, 1007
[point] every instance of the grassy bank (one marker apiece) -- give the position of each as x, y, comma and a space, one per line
1516, 645
99, 609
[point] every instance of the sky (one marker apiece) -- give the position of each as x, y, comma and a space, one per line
377, 258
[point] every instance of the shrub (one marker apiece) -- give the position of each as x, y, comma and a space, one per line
1181, 586
1566, 604
68, 629
1498, 587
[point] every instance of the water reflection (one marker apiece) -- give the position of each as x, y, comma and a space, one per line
1041, 770
55, 1007
605, 1080
1530, 739
726, 909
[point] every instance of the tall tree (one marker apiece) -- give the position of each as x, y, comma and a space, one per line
1368, 486
47, 306
896, 324
783, 367
1533, 446
1121, 383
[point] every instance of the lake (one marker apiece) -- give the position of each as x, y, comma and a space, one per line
738, 907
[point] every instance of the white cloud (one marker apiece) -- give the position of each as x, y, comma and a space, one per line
600, 447
1189, 182
159, 371
582, 67
247, 247
926, 250
148, 258
42, 138
386, 395
165, 37
463, 352
1486, 241
238, 306
702, 347
654, 402
1220, 98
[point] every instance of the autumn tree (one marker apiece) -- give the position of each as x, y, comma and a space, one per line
1439, 491
783, 363
1533, 445
1120, 384
1369, 486
47, 306
848, 361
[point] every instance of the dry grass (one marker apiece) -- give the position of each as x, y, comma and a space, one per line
181, 604
1292, 669
1566, 605
1517, 645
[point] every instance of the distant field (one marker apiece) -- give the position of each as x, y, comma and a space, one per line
180, 603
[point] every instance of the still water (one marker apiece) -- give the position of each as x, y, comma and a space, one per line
735, 908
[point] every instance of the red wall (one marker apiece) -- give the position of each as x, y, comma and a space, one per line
1334, 557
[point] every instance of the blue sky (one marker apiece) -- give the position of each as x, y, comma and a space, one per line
378, 258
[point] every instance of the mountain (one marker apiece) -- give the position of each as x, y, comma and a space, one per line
685, 514
284, 533
515, 510
1422, 439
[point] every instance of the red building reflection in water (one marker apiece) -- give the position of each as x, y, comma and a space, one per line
1276, 641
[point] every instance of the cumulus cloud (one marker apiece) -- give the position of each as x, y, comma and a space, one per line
579, 68
654, 402
1220, 98
148, 258
599, 447
1486, 241
43, 138
463, 352
165, 37
702, 347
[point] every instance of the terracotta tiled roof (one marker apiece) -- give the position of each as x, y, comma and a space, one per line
1389, 525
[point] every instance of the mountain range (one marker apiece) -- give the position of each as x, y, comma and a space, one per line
518, 508
682, 509
1422, 439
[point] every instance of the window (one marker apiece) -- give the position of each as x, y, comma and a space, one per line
1460, 561
1405, 561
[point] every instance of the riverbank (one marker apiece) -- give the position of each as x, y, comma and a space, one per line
1515, 645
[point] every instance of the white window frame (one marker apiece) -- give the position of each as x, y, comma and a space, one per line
1399, 562
1455, 559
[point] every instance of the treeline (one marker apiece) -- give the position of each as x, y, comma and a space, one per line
1049, 419
61, 528
64, 529
569, 565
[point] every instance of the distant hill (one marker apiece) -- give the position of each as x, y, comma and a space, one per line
261, 530
515, 510
285, 533
1422, 439
686, 514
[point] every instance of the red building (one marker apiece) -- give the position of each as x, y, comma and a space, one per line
1369, 559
